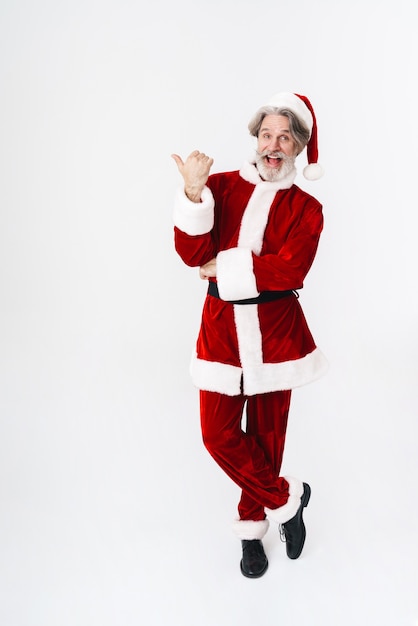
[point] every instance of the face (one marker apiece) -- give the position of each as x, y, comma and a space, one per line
275, 147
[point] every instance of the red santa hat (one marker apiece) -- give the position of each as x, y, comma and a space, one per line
302, 108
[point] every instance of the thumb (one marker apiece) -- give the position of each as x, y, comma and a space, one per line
178, 160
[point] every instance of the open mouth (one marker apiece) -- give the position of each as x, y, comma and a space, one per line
273, 160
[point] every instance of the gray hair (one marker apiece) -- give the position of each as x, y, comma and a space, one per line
298, 130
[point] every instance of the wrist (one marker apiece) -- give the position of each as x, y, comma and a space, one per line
194, 194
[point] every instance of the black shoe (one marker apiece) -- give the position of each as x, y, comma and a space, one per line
293, 531
254, 561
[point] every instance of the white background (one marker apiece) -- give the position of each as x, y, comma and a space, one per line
111, 511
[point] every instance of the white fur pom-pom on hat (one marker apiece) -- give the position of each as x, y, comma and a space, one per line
302, 108
313, 171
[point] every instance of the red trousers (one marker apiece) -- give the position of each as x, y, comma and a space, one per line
252, 458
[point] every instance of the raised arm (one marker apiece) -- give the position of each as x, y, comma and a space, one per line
194, 210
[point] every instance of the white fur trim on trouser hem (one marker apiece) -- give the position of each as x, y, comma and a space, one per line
284, 513
250, 529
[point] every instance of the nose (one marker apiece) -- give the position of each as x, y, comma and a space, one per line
274, 144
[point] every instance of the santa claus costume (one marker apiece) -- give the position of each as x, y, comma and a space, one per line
254, 344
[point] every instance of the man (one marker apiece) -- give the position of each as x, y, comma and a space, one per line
254, 235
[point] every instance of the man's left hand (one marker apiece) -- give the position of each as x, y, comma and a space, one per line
208, 270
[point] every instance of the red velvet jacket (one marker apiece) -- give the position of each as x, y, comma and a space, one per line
264, 236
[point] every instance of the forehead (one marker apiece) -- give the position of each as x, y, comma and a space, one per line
278, 123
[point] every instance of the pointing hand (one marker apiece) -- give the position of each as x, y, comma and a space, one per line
195, 172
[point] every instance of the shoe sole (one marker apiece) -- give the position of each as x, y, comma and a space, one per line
306, 495
304, 503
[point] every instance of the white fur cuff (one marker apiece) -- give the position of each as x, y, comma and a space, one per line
287, 511
235, 274
194, 218
249, 529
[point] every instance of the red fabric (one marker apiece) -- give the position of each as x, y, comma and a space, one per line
278, 332
290, 239
252, 459
312, 147
285, 333
290, 242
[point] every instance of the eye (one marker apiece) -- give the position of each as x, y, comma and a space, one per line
284, 138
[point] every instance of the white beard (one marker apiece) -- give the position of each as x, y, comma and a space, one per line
273, 175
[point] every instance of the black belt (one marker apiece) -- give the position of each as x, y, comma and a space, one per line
265, 296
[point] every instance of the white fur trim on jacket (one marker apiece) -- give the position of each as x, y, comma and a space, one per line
254, 219
267, 377
235, 275
260, 378
234, 267
214, 376
287, 511
194, 218
249, 529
